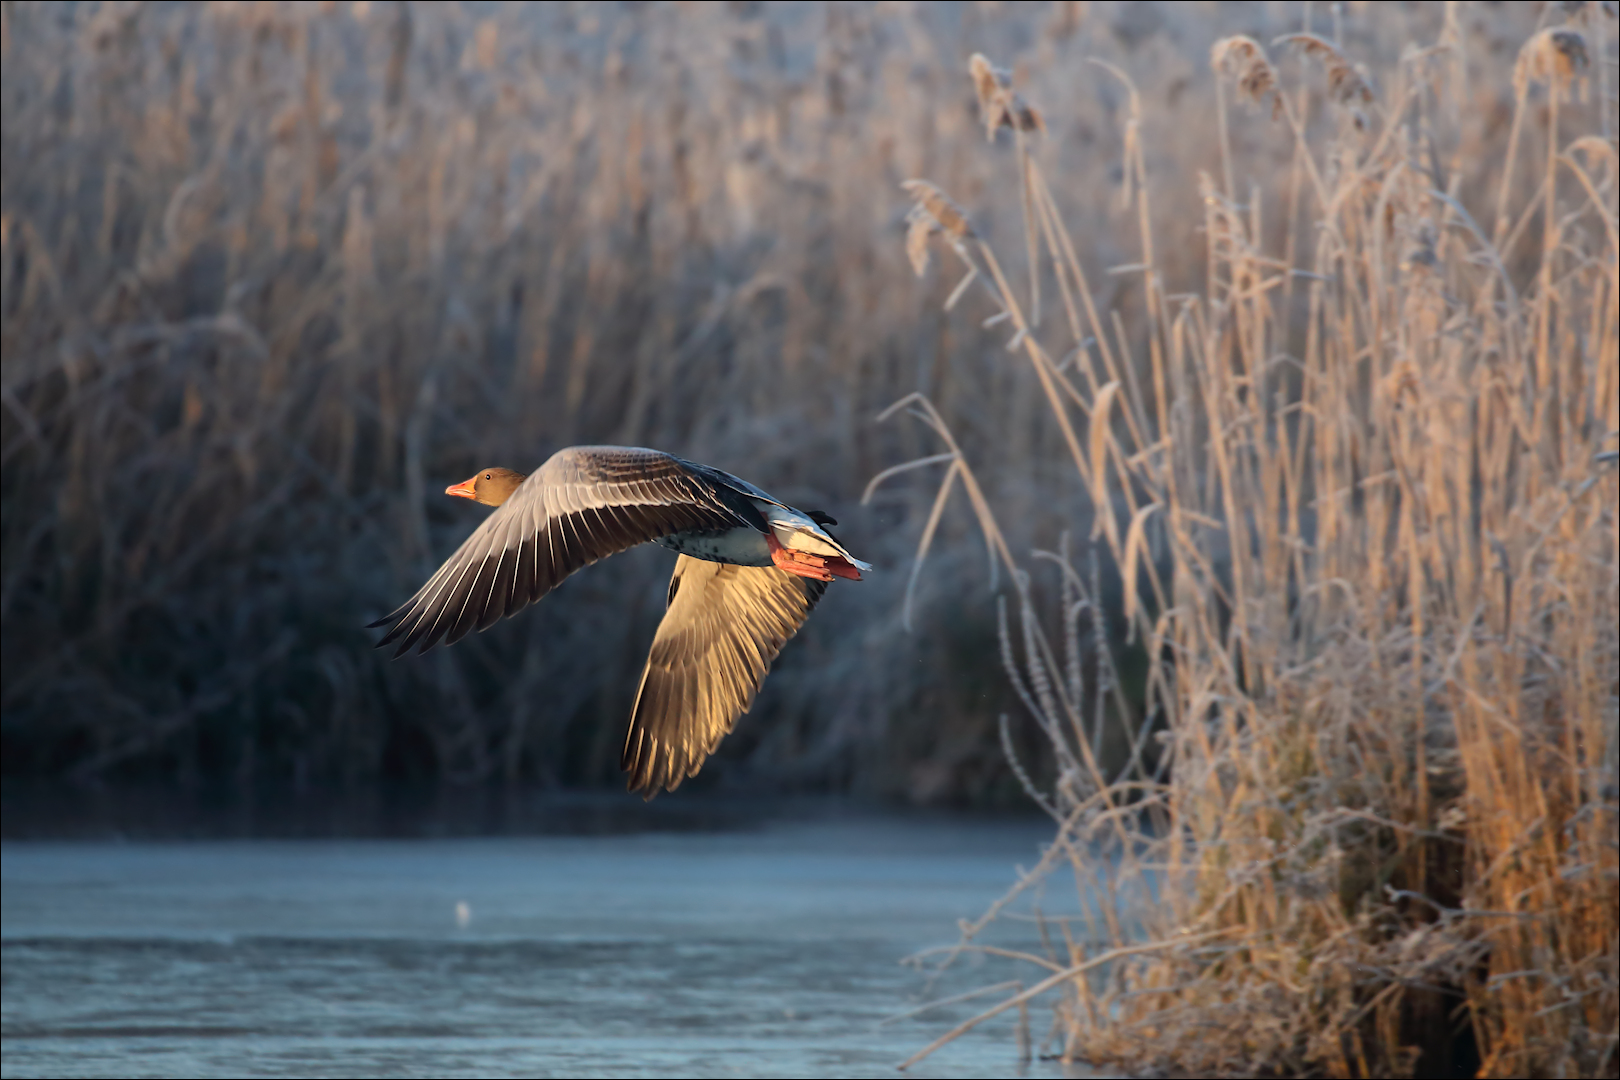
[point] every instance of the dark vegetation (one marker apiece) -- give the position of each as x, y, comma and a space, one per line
273, 275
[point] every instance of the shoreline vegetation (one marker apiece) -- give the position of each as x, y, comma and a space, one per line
1362, 489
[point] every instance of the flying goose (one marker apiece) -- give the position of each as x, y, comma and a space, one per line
749, 571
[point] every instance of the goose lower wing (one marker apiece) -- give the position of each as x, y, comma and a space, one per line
724, 626
583, 504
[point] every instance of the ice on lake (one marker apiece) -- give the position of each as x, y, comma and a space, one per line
770, 951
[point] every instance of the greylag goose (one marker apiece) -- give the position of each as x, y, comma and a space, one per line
749, 570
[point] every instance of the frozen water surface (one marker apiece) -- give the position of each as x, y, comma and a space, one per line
769, 952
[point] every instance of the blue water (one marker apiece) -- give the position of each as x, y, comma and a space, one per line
770, 952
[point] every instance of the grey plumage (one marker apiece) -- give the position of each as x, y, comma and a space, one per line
724, 625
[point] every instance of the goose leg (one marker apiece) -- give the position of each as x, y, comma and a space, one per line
801, 563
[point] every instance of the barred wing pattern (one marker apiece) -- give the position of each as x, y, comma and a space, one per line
724, 626
583, 504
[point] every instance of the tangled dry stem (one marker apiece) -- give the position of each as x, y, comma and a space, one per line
1372, 552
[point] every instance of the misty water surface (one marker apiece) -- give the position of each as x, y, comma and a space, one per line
769, 952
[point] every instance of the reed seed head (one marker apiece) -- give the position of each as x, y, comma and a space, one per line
1557, 56
1347, 84
947, 216
999, 104
1241, 59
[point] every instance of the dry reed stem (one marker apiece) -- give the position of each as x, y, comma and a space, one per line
1387, 661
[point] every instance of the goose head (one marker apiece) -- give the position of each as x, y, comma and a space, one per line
488, 486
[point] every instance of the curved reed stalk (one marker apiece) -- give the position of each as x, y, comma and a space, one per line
1371, 548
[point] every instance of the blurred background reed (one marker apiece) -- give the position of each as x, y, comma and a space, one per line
274, 274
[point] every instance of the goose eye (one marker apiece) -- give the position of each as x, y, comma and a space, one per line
488, 476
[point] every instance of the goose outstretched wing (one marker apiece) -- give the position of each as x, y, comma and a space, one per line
724, 626
584, 504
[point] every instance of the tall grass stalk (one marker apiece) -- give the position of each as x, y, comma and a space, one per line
273, 274
1363, 507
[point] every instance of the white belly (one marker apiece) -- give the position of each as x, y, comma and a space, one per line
742, 546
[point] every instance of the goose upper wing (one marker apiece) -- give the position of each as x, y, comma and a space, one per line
584, 504
724, 626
